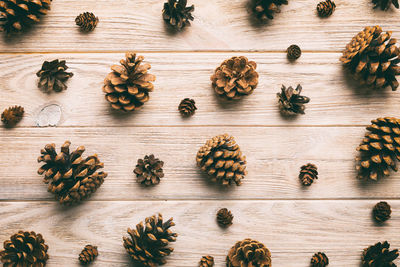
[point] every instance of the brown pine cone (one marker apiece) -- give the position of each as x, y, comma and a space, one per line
88, 254
224, 217
385, 4
235, 78
379, 255
17, 15
265, 9
207, 261
148, 245
222, 160
326, 8
24, 249
382, 211
290, 100
149, 170
372, 57
293, 52
379, 150
71, 177
308, 173
12, 115
127, 87
319, 260
187, 107
53, 76
87, 21
177, 14
248, 253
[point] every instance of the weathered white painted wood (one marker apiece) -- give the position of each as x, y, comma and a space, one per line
219, 25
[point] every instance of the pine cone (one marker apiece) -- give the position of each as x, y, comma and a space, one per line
382, 211
308, 173
379, 150
149, 170
326, 8
148, 244
17, 15
88, 254
290, 100
372, 56
224, 217
248, 253
207, 261
187, 107
12, 115
127, 87
222, 159
293, 52
385, 4
379, 255
265, 9
177, 14
24, 249
87, 21
319, 260
70, 177
236, 77
53, 76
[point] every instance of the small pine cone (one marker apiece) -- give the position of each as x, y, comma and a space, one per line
127, 87
187, 107
308, 173
207, 261
235, 78
71, 177
24, 249
379, 150
224, 217
326, 8
149, 170
88, 254
177, 14
265, 9
382, 211
319, 260
248, 253
222, 160
53, 76
379, 255
87, 21
17, 15
293, 52
148, 245
290, 100
372, 57
12, 115
385, 4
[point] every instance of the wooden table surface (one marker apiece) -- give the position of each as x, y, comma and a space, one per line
333, 215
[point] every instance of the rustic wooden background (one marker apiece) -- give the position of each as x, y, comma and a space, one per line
333, 215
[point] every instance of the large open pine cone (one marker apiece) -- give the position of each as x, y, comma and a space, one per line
177, 14
380, 149
372, 56
379, 255
127, 87
222, 159
71, 177
385, 4
265, 9
248, 253
235, 77
148, 244
16, 15
53, 76
24, 249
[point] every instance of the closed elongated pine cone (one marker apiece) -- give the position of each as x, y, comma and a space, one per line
12, 115
382, 211
293, 52
148, 244
224, 217
149, 170
308, 173
379, 255
265, 9
319, 260
87, 21
385, 4
249, 253
53, 76
88, 254
70, 176
24, 249
290, 101
18, 15
187, 107
127, 87
222, 160
207, 261
177, 14
380, 149
326, 8
372, 57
